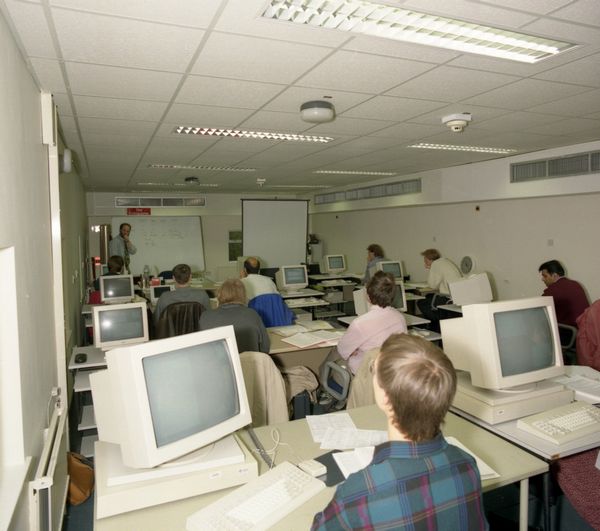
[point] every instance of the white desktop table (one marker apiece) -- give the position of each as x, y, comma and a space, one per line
513, 465
411, 320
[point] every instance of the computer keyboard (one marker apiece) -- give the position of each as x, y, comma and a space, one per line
260, 503
563, 424
302, 301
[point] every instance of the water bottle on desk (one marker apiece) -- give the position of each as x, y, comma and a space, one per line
146, 277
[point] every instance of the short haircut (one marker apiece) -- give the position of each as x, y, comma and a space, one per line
376, 249
252, 265
124, 225
232, 291
381, 289
115, 264
182, 273
553, 266
431, 254
419, 381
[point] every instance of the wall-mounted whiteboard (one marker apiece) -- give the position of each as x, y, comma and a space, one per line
164, 242
275, 230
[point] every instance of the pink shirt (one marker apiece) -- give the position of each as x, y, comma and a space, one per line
369, 331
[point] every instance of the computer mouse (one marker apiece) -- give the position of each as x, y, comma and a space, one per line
81, 357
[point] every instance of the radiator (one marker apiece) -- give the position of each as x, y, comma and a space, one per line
48, 489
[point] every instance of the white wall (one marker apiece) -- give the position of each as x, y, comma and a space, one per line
25, 225
509, 238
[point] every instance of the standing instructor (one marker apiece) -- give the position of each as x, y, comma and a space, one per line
121, 245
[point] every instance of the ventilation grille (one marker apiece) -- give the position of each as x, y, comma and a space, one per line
380, 190
189, 201
579, 164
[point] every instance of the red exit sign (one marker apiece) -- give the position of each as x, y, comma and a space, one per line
138, 211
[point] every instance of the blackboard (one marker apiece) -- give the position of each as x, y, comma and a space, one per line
163, 242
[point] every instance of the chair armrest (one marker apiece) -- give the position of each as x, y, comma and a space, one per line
568, 336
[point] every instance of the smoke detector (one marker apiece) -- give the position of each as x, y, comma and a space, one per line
192, 180
260, 181
457, 122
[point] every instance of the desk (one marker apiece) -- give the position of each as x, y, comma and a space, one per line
511, 463
306, 292
451, 308
286, 355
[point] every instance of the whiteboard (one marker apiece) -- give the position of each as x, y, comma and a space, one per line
164, 242
275, 230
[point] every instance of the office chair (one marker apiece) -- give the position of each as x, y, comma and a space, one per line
179, 318
272, 309
265, 388
568, 337
166, 275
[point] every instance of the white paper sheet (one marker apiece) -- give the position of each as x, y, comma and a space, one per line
347, 439
318, 424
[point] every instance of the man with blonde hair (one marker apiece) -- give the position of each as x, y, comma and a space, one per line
416, 480
250, 332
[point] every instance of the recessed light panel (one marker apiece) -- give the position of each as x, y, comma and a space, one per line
476, 149
381, 20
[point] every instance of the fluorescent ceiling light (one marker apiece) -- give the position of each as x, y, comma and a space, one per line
356, 172
261, 135
381, 20
299, 186
204, 168
477, 149
179, 184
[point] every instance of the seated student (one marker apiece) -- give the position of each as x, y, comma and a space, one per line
115, 267
416, 480
371, 329
374, 254
254, 283
250, 332
441, 272
182, 274
570, 300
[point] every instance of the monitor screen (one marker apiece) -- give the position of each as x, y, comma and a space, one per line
505, 344
157, 291
163, 399
335, 263
116, 288
393, 267
120, 324
291, 278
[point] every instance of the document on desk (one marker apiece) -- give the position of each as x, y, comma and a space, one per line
318, 424
485, 471
355, 460
350, 438
585, 389
317, 325
309, 339
287, 331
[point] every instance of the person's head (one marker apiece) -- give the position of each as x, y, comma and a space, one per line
381, 289
374, 251
430, 256
115, 265
124, 230
232, 291
252, 265
414, 384
182, 274
551, 271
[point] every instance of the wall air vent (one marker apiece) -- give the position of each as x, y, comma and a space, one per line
412, 186
164, 202
569, 165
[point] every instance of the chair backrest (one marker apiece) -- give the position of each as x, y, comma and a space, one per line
361, 389
588, 337
568, 337
179, 318
166, 275
272, 309
265, 388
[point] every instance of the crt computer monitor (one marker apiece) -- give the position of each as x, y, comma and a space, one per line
157, 291
116, 289
471, 290
291, 278
334, 263
119, 324
391, 266
362, 303
505, 344
167, 398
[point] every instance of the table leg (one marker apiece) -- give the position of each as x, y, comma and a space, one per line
524, 504
546, 502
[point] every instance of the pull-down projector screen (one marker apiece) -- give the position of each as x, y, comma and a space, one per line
275, 230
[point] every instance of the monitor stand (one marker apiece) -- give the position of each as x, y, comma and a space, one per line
121, 489
495, 407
